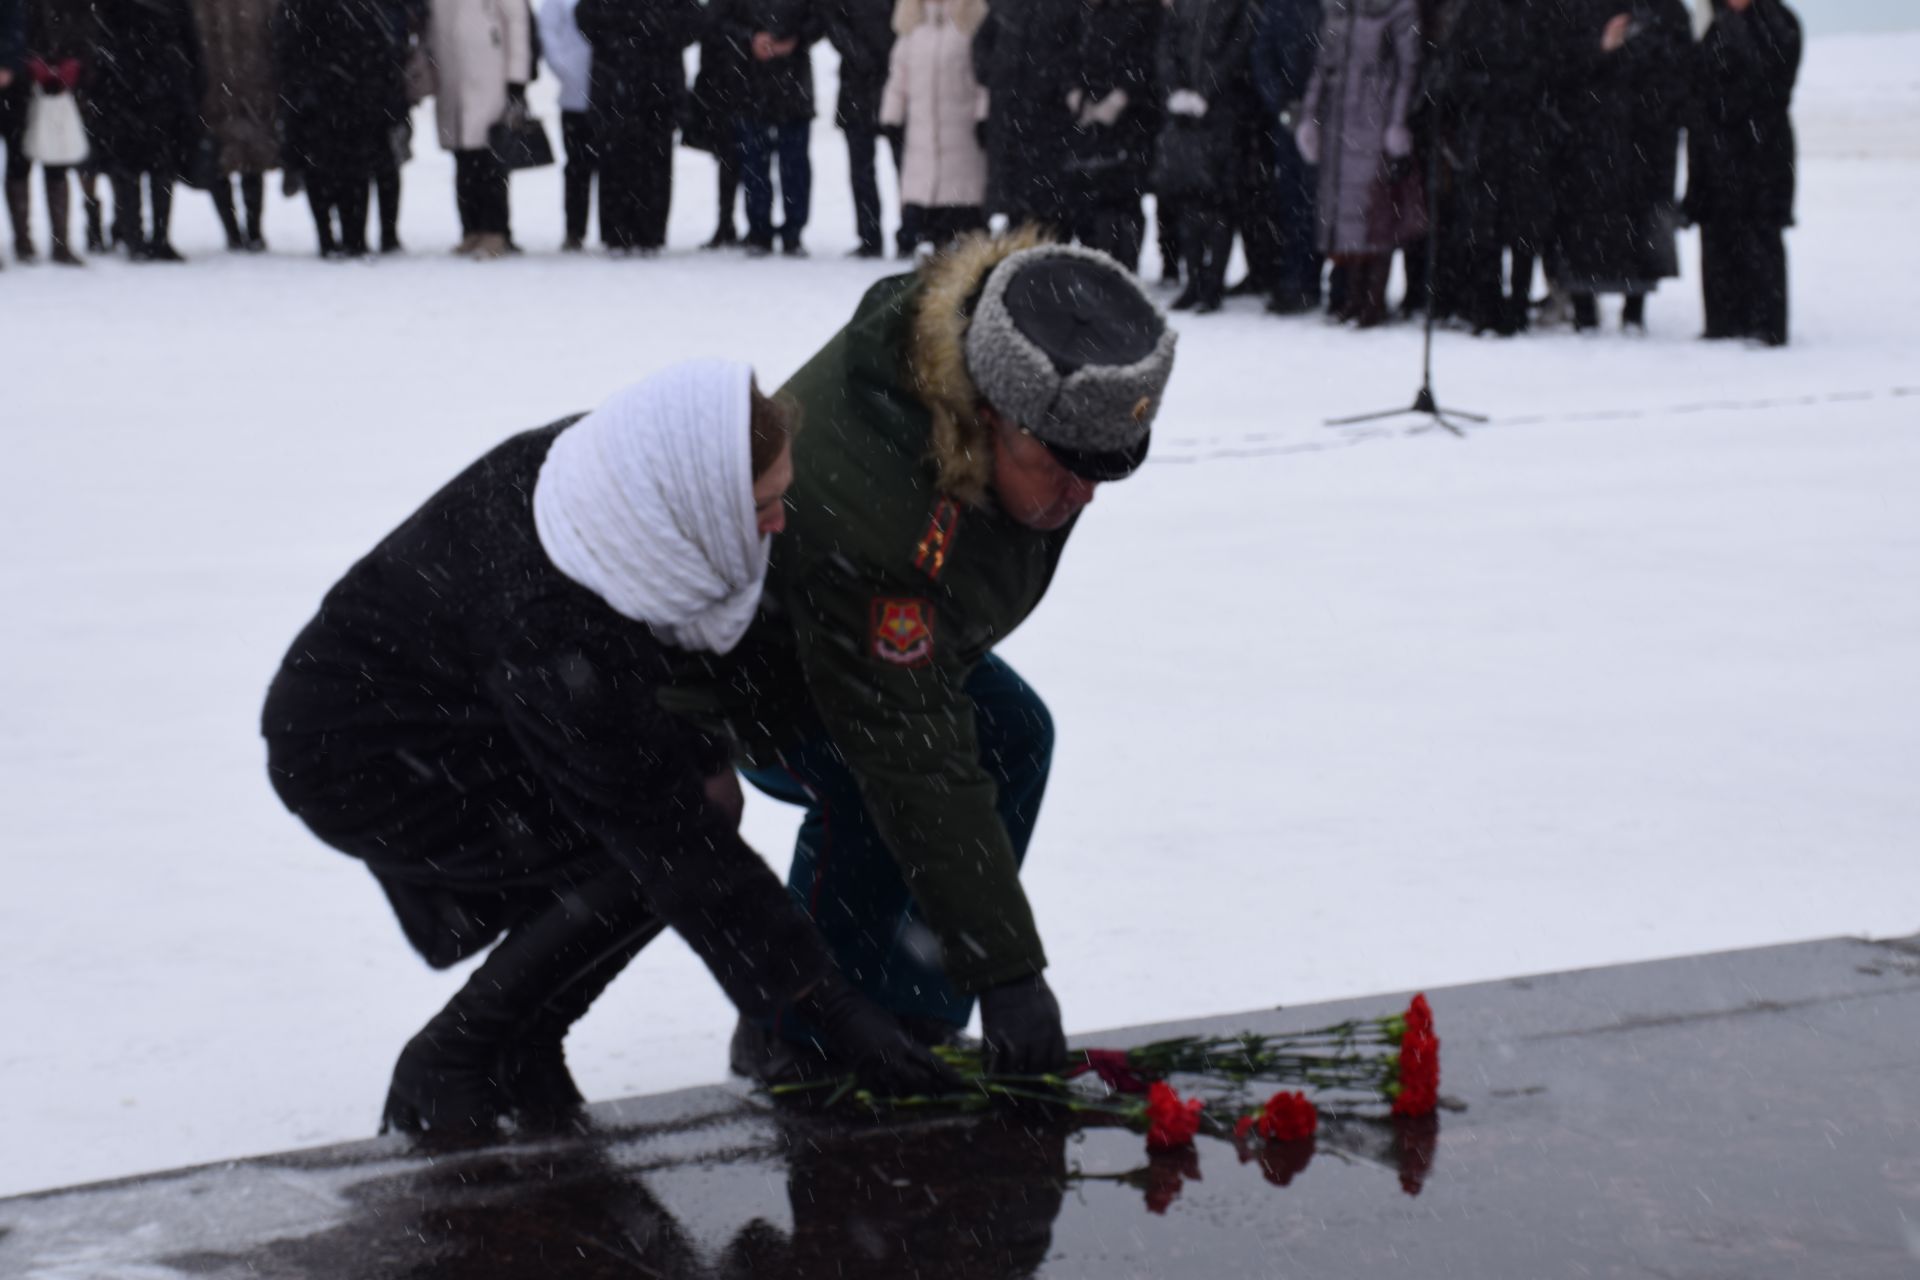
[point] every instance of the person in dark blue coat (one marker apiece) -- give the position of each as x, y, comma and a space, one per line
13, 116
1286, 40
1740, 165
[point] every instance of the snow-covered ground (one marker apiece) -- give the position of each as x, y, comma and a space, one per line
1633, 671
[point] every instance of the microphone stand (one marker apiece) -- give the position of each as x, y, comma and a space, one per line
1424, 403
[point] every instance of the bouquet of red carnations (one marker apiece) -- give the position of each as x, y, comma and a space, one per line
1357, 1063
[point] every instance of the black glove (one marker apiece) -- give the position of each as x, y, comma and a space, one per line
859, 1033
1021, 1025
980, 133
517, 94
895, 134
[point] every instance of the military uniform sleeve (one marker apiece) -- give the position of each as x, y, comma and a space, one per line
577, 700
892, 698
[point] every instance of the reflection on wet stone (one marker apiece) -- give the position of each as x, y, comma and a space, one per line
1742, 1115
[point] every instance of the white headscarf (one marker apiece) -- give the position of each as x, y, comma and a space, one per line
648, 503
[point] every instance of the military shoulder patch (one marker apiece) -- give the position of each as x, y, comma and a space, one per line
943, 526
902, 630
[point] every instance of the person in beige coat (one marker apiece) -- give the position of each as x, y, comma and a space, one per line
932, 93
241, 109
482, 54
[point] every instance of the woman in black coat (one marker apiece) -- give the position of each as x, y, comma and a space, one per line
342, 73
1624, 100
475, 714
638, 84
1022, 55
1203, 70
1740, 165
1116, 115
712, 121
142, 99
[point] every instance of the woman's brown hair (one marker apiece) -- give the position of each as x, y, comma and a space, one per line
772, 421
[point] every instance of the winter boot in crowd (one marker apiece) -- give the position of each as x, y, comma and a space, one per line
1633, 316
59, 207
1586, 312
96, 224
493, 1055
18, 209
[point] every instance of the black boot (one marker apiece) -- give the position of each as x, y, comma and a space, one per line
494, 1054
533, 1069
18, 210
229, 221
96, 229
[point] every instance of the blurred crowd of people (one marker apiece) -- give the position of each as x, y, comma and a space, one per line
1507, 140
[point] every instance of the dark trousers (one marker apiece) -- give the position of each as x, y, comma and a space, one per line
1496, 297
583, 161
1744, 277
759, 144
1206, 242
1166, 217
253, 194
862, 144
845, 879
636, 183
1297, 261
127, 229
1257, 213
386, 187
1116, 228
340, 193
480, 192
939, 225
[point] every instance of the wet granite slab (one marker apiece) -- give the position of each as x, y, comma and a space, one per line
1747, 1115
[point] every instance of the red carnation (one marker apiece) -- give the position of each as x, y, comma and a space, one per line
1114, 1069
1420, 1016
1419, 1090
1288, 1117
1171, 1122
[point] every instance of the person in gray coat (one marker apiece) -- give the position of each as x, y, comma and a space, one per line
1354, 126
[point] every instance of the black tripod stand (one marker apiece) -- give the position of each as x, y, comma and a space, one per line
1424, 403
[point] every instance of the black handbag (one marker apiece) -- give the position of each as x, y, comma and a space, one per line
520, 142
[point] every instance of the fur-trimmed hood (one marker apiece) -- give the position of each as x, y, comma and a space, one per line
961, 444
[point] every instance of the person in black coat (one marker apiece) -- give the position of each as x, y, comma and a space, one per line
1022, 55
1203, 70
1115, 115
342, 71
1617, 210
142, 99
712, 120
862, 32
774, 41
1494, 112
1286, 40
14, 90
637, 87
474, 714
1740, 165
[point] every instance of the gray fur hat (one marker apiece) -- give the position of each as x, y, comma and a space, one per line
1066, 343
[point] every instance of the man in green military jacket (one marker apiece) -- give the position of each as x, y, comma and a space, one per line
951, 434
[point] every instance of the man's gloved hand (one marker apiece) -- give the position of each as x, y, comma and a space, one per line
1020, 1022
858, 1032
517, 94
980, 133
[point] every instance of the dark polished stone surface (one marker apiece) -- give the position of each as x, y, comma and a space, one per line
1748, 1115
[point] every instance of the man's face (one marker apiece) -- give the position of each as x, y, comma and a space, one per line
1031, 485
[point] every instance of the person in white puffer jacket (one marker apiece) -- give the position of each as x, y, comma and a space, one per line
931, 93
